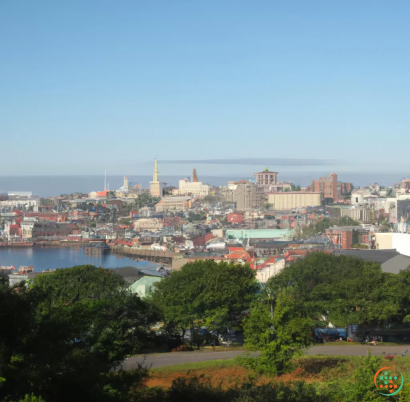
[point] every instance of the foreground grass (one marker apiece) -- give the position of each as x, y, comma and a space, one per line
313, 369
207, 365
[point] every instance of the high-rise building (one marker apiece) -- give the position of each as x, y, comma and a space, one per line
325, 185
330, 187
266, 177
248, 196
155, 186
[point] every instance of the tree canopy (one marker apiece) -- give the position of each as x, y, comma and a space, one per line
63, 336
146, 200
318, 290
326, 223
205, 293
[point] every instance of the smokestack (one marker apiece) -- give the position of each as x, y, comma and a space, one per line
194, 176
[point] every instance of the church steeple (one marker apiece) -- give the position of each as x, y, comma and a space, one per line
155, 178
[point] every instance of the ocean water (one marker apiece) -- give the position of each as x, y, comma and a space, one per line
46, 186
51, 258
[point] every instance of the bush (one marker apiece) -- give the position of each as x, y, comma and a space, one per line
182, 348
199, 389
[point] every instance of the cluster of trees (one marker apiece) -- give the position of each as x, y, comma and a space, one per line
312, 292
215, 198
46, 201
146, 200
323, 224
143, 200
205, 293
294, 187
64, 337
196, 217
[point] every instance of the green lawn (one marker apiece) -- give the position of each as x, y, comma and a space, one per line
198, 365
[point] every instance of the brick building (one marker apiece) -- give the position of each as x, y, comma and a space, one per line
45, 229
341, 236
172, 221
330, 187
201, 241
325, 185
266, 177
47, 216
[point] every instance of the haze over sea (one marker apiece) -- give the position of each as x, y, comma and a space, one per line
46, 186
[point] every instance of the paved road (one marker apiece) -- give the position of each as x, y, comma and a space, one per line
356, 350
170, 359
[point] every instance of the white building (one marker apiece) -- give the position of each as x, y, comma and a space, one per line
196, 188
27, 228
19, 203
398, 241
150, 224
263, 274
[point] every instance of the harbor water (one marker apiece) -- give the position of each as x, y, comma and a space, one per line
52, 258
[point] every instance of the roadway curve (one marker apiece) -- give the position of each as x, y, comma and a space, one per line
171, 359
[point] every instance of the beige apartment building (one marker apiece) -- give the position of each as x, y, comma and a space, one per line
149, 224
294, 199
248, 196
173, 204
192, 187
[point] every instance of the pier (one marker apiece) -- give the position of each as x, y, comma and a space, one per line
160, 257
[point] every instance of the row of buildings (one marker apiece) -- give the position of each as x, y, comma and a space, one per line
261, 223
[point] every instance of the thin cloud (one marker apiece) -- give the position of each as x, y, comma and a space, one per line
255, 162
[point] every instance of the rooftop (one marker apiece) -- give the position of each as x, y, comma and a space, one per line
380, 256
266, 171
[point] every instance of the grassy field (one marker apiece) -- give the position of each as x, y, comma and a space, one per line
228, 372
312, 369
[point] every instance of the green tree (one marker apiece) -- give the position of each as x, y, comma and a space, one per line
111, 194
193, 217
322, 289
294, 187
267, 205
206, 293
291, 329
258, 325
145, 200
325, 223
67, 334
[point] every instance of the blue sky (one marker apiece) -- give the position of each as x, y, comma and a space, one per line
88, 85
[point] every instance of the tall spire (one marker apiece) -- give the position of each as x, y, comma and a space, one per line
194, 176
155, 178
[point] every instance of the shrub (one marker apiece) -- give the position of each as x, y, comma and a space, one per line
182, 348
